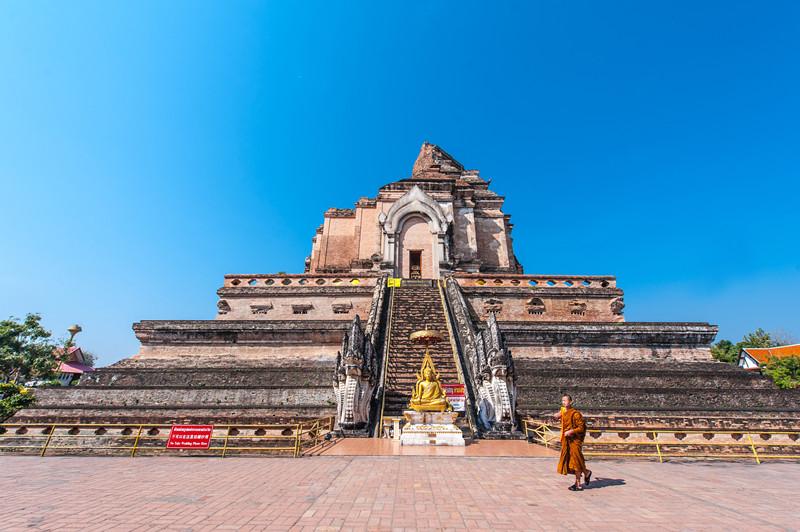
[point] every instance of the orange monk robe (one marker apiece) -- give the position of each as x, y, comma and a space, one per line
571, 460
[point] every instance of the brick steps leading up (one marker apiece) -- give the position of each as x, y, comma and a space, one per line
414, 309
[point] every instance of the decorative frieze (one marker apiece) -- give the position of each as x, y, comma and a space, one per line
361, 264
340, 213
289, 281
573, 282
302, 308
535, 306
261, 308
577, 308
548, 292
342, 308
491, 306
295, 291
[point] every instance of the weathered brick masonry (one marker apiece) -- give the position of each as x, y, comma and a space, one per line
270, 353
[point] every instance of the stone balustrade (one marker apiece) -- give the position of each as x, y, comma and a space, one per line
665, 443
477, 280
537, 281
296, 280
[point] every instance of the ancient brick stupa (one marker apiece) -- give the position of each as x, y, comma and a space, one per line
433, 250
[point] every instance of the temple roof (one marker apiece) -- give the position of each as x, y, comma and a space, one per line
763, 354
435, 163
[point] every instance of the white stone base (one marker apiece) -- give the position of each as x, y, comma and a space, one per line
431, 428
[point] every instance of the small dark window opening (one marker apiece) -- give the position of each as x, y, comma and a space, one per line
415, 264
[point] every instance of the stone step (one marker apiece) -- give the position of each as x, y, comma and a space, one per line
409, 357
688, 393
667, 400
415, 308
417, 361
398, 379
414, 366
412, 375
405, 378
201, 414
186, 390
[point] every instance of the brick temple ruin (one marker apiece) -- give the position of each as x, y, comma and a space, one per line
333, 340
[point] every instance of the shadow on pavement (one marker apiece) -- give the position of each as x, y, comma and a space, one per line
604, 483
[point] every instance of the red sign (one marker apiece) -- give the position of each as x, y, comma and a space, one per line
190, 436
455, 394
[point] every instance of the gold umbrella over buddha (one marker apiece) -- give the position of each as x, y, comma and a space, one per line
428, 394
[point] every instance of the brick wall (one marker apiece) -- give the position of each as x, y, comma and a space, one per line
193, 389
647, 389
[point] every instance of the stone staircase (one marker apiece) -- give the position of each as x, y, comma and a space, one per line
414, 308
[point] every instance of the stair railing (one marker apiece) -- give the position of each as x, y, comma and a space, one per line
466, 380
377, 426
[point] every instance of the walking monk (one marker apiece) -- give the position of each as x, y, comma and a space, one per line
573, 430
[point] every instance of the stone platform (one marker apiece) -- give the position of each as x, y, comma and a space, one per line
431, 428
190, 389
475, 448
615, 394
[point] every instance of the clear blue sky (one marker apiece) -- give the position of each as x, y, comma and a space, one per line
148, 148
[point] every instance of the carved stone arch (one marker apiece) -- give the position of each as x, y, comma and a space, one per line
415, 204
415, 201
416, 215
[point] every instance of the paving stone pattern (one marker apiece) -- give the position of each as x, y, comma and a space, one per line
382, 493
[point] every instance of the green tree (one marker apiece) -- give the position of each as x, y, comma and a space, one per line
758, 338
727, 351
12, 398
26, 350
785, 372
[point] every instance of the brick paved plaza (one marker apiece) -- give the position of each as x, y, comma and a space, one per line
333, 492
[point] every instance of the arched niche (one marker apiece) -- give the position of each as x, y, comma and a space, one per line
415, 206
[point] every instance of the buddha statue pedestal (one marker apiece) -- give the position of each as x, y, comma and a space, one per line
431, 428
431, 420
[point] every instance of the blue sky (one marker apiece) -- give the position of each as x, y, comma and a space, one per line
148, 148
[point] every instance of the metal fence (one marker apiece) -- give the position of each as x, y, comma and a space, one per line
675, 443
287, 439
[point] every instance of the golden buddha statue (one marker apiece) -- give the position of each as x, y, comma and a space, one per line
428, 394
